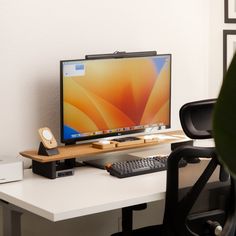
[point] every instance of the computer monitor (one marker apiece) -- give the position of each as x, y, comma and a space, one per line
114, 96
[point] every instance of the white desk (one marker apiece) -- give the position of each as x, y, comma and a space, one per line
88, 191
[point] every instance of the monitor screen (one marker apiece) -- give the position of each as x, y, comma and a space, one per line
114, 96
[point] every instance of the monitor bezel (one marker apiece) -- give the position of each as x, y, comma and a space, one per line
108, 135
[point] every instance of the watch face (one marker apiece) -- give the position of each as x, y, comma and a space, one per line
47, 134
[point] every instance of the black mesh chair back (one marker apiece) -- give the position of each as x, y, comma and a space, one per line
196, 121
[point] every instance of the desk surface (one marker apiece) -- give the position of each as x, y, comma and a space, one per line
88, 191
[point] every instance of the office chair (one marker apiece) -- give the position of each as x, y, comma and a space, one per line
195, 118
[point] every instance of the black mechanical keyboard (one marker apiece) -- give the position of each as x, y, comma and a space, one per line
140, 166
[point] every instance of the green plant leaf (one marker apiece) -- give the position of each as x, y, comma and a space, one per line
224, 120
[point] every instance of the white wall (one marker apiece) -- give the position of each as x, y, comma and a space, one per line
35, 35
217, 26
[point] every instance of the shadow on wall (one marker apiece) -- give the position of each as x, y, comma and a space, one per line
47, 105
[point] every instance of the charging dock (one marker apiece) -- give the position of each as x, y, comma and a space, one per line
54, 169
47, 152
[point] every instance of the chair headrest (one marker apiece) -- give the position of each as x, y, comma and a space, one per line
196, 118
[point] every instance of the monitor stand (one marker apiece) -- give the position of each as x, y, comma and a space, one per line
102, 162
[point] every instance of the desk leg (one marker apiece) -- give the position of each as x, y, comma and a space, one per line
11, 221
127, 220
127, 217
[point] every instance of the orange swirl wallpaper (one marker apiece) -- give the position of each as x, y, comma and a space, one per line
115, 95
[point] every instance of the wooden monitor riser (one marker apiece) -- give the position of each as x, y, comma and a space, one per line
83, 150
